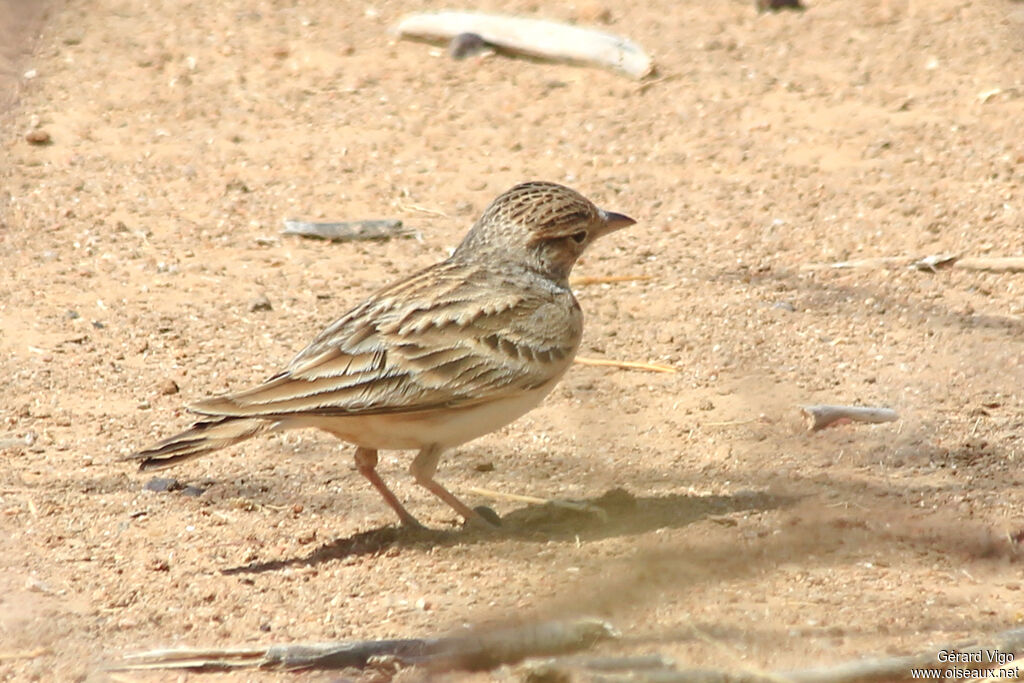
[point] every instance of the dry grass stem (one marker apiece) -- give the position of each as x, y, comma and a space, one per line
628, 364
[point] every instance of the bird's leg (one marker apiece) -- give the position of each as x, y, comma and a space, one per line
423, 468
366, 463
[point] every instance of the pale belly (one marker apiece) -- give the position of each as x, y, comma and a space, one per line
406, 431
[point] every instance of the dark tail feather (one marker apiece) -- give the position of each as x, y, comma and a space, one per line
199, 439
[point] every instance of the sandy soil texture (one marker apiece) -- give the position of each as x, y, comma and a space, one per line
146, 170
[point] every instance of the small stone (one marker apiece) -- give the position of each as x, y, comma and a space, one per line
297, 509
167, 387
489, 515
423, 605
192, 491
776, 5
162, 485
260, 303
38, 137
467, 45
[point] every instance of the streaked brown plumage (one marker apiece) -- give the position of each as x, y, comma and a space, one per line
449, 354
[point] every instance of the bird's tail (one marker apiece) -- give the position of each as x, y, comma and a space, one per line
199, 439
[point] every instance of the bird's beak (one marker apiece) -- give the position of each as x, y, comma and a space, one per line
616, 221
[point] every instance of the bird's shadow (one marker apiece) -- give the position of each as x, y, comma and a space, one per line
616, 513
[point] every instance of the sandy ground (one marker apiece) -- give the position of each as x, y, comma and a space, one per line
134, 246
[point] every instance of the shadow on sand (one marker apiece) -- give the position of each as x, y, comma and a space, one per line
616, 513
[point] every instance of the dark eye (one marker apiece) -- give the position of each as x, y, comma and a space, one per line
579, 237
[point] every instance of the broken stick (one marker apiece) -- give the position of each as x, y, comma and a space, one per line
628, 364
992, 264
605, 279
532, 37
821, 416
347, 231
930, 264
479, 650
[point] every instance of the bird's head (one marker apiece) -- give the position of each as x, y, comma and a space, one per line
543, 225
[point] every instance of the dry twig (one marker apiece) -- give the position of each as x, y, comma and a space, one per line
25, 654
993, 264
532, 37
477, 651
602, 279
931, 264
348, 231
821, 416
629, 364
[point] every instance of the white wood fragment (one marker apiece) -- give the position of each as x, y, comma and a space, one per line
821, 416
532, 37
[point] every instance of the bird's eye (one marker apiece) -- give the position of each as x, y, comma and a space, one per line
579, 237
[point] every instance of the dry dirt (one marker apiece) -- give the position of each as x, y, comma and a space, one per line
134, 245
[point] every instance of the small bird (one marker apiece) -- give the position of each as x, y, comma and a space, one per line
442, 357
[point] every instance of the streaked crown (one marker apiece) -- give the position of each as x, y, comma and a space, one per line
542, 225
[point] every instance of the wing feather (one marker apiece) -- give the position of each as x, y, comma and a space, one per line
446, 337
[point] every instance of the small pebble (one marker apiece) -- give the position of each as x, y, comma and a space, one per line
488, 514
162, 485
467, 45
167, 387
38, 137
776, 5
260, 303
192, 491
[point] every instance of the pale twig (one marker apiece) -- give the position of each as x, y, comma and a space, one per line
417, 208
481, 649
932, 264
728, 423
532, 37
993, 264
601, 279
24, 654
821, 416
629, 364
655, 81
348, 231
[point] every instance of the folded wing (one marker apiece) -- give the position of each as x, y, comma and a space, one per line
442, 338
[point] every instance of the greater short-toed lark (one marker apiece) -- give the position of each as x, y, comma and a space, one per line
433, 361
